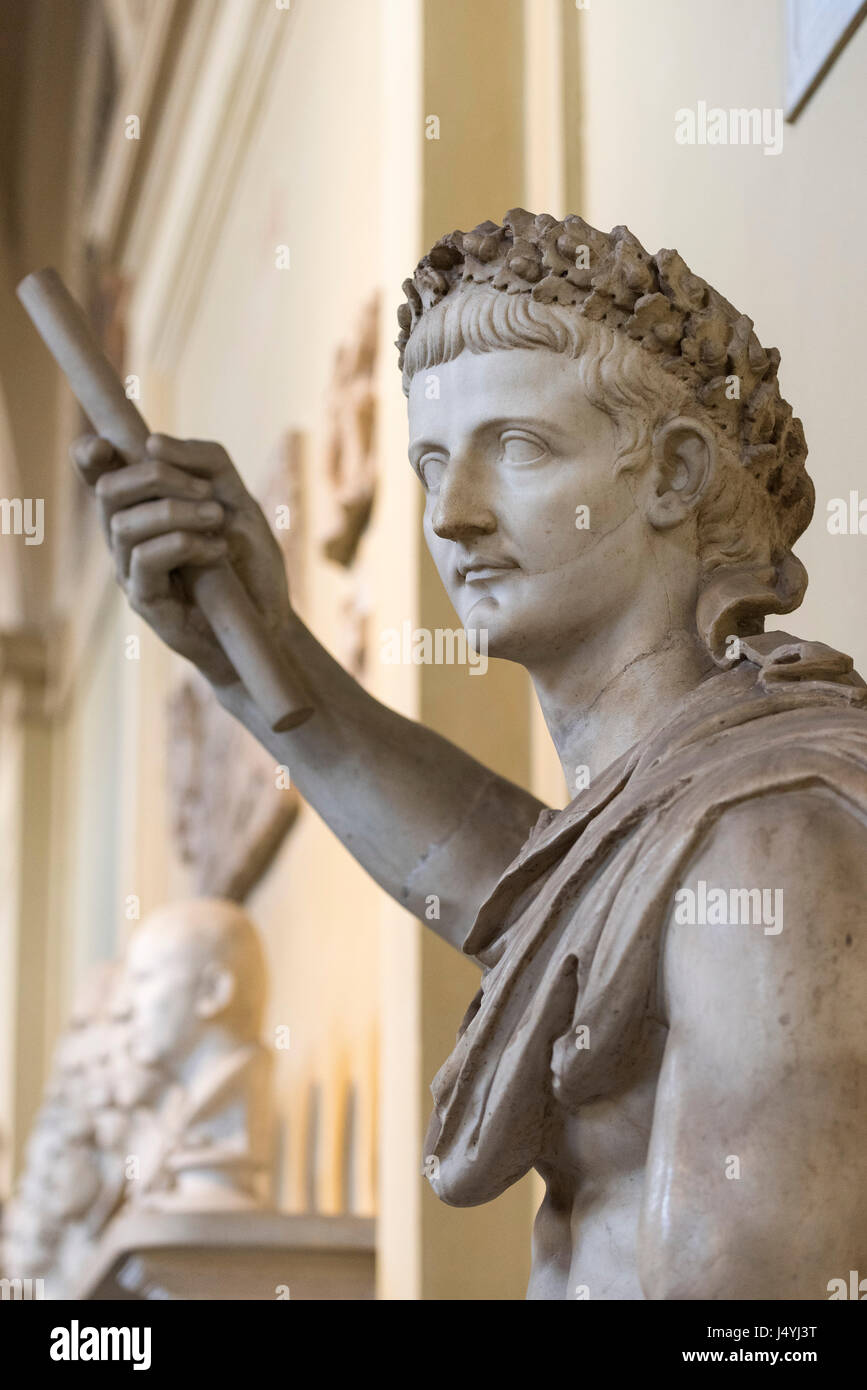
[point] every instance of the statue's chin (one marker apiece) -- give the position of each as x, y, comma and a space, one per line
493, 633
487, 616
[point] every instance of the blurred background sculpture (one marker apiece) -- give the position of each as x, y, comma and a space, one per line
159, 1095
196, 978
56, 1207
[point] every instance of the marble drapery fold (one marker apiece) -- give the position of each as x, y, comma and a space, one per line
570, 937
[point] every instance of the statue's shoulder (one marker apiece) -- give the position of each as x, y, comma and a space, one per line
797, 832
787, 665
768, 919
785, 703
784, 802
792, 764
777, 778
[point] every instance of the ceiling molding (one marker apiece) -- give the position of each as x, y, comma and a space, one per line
142, 84
197, 167
127, 20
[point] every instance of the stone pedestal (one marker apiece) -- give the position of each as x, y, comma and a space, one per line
234, 1256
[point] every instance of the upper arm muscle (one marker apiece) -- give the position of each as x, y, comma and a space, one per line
755, 1184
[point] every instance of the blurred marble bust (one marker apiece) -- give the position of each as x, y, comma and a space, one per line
61, 1180
195, 984
158, 1097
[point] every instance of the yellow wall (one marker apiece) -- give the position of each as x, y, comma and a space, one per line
255, 359
781, 236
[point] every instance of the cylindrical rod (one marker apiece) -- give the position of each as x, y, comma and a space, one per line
217, 590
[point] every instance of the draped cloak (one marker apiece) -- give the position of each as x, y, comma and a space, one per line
570, 936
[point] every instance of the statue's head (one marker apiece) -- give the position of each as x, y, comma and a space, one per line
192, 968
591, 419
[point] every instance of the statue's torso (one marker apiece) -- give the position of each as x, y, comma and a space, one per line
559, 1057
585, 1239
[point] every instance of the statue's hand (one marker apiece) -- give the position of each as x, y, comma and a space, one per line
183, 505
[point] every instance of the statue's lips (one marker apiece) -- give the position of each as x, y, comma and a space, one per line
475, 573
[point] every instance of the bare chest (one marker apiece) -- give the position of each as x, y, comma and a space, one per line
585, 1239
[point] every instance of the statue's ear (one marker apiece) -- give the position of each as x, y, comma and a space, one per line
216, 991
682, 462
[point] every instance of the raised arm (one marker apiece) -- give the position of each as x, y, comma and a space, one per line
755, 1184
420, 815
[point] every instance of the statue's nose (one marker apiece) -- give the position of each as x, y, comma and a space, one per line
461, 509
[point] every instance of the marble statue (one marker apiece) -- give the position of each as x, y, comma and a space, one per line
670, 1027
196, 980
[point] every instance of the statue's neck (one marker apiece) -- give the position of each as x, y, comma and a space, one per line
214, 1051
613, 691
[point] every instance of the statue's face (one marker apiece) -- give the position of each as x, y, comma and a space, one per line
133, 1082
163, 975
507, 451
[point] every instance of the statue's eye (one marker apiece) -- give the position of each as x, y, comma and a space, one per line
430, 468
519, 447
